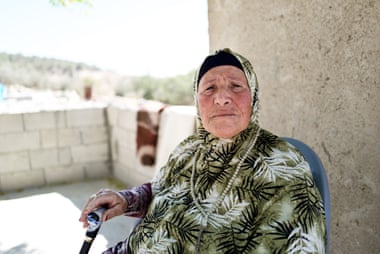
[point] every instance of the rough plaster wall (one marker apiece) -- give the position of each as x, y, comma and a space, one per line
318, 67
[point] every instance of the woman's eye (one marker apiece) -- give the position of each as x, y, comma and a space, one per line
236, 86
208, 89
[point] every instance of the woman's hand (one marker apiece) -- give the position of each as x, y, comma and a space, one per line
114, 202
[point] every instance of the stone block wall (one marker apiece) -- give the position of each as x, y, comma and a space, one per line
83, 142
50, 147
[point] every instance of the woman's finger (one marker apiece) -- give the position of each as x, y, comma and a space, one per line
113, 201
100, 199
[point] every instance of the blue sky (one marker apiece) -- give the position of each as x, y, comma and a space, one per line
133, 37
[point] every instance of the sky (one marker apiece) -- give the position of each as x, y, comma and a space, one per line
134, 37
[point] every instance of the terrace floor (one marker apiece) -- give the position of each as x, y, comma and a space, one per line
45, 220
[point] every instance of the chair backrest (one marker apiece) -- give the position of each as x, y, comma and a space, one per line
319, 175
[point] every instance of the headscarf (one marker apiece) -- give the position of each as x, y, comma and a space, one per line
249, 74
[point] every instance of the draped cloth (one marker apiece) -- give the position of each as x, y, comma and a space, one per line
148, 118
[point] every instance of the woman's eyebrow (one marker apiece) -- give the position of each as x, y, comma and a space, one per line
209, 80
236, 78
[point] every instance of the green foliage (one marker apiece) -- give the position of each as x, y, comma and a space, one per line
88, 81
174, 90
68, 2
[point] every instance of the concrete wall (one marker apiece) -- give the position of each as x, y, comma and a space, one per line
51, 147
318, 68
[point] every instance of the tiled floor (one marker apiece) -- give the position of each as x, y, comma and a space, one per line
45, 220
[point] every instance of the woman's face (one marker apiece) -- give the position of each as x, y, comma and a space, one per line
224, 101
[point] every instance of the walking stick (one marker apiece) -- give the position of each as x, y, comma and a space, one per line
94, 220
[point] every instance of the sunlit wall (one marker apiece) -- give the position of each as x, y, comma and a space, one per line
318, 68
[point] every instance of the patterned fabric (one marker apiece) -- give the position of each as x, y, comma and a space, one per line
273, 206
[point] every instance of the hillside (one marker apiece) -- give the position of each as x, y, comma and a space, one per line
52, 74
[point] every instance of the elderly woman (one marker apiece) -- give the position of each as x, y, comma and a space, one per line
230, 188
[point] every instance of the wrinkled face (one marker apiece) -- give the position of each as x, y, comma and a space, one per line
224, 101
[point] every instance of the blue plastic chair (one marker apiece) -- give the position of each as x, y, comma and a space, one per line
320, 178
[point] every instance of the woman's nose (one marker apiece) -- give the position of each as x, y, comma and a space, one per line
222, 97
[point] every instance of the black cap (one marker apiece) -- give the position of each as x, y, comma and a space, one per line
219, 58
